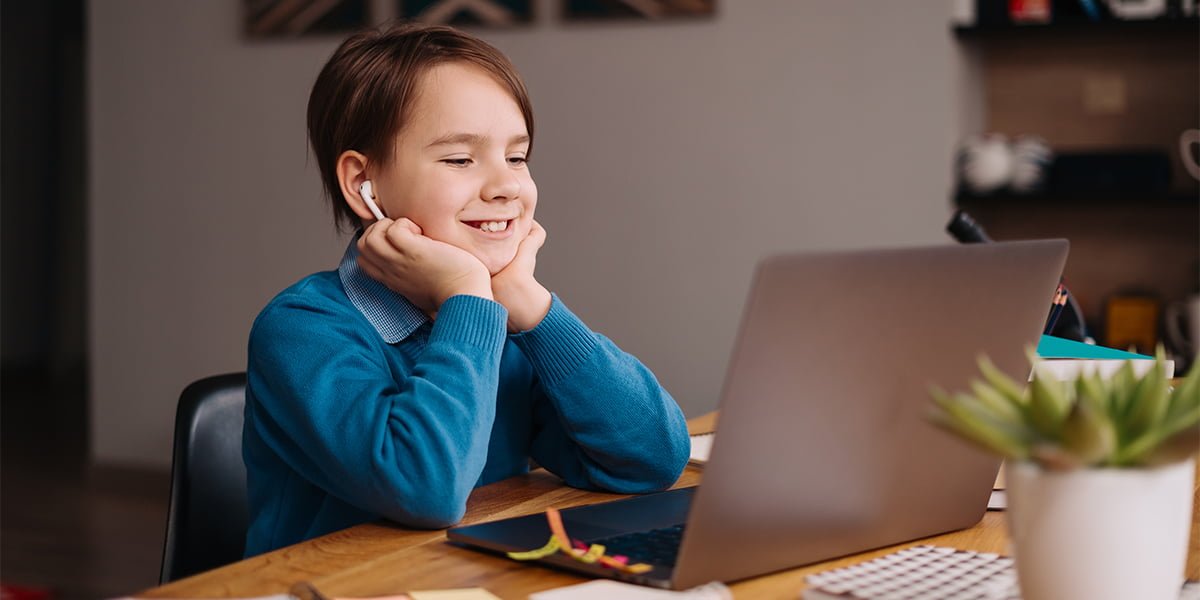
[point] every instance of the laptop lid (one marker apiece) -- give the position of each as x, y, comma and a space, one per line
824, 448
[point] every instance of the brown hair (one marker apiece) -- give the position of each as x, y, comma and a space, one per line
364, 94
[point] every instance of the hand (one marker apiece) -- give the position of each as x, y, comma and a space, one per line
515, 287
424, 270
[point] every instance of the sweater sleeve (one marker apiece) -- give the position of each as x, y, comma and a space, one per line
408, 448
602, 420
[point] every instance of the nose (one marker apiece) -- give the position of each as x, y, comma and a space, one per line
502, 184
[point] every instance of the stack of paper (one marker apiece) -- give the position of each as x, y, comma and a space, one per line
701, 445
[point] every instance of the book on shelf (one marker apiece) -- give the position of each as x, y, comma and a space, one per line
1067, 359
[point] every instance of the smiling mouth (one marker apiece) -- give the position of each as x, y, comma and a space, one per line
490, 226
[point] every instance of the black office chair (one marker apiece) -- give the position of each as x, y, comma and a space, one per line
207, 518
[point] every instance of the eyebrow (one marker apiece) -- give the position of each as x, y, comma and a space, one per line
472, 139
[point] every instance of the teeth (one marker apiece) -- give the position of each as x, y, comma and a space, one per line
494, 226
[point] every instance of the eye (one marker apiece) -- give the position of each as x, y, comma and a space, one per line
517, 160
457, 162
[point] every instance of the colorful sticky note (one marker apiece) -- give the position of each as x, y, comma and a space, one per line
457, 594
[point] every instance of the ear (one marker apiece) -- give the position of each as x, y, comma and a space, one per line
352, 172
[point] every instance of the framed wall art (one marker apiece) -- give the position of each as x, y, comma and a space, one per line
588, 10
485, 13
291, 18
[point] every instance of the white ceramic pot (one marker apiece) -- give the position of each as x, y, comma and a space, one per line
1096, 534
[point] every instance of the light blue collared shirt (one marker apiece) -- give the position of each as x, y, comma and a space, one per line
390, 313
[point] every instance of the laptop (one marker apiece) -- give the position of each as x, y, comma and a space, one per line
825, 448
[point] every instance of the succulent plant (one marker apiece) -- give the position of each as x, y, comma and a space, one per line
1093, 421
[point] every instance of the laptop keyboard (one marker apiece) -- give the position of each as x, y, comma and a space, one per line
657, 546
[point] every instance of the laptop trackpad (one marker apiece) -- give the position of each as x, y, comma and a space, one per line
639, 513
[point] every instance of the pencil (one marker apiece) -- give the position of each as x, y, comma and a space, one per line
1056, 308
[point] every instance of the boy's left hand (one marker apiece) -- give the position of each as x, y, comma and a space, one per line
515, 287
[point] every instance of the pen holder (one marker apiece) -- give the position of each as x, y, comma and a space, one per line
1099, 534
1099, 476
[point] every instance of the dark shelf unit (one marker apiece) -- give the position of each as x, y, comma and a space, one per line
1080, 26
1145, 239
964, 199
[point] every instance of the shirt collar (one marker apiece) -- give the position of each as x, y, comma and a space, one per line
391, 314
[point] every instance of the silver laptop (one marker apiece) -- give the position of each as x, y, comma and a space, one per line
824, 447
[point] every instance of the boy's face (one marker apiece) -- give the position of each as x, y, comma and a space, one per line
458, 168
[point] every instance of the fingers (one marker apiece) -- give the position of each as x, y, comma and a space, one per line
406, 223
526, 259
376, 227
375, 253
368, 242
532, 243
387, 240
405, 236
369, 267
386, 247
536, 237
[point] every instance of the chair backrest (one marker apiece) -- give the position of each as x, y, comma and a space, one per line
207, 518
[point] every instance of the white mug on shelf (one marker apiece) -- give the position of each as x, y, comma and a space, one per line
1190, 161
986, 162
1183, 325
1137, 9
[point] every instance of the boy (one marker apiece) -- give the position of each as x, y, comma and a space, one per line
432, 361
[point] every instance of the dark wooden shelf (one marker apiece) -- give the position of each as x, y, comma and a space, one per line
1080, 26
1171, 199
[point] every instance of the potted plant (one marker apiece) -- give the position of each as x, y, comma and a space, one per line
1099, 475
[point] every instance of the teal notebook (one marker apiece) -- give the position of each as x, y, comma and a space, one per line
1054, 347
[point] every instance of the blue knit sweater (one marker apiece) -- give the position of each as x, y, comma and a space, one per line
343, 427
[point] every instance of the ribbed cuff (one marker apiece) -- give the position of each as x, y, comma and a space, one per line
471, 320
559, 344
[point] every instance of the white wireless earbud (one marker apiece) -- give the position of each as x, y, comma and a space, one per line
368, 196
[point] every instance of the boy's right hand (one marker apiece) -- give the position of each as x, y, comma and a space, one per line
424, 270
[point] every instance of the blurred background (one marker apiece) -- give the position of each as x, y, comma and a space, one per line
157, 192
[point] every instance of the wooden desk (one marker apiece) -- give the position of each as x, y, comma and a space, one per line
379, 558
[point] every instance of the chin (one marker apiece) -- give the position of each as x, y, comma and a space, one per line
495, 263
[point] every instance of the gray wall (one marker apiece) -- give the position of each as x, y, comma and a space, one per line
669, 158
